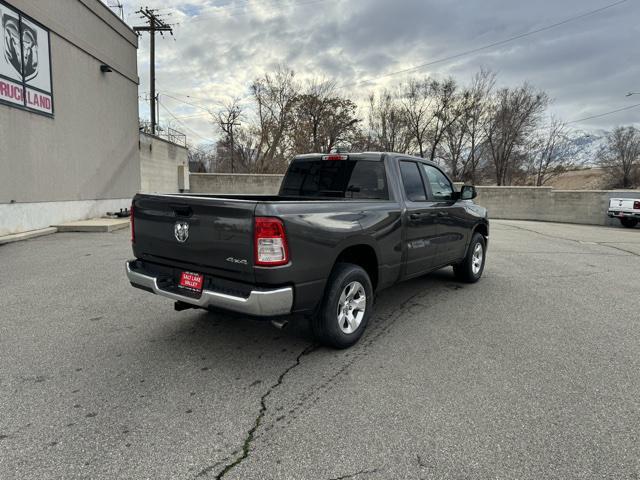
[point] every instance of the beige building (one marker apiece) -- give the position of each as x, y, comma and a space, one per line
69, 142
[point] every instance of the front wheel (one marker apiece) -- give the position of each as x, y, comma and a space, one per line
470, 269
346, 307
628, 222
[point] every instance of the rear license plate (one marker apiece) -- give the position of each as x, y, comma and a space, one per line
192, 281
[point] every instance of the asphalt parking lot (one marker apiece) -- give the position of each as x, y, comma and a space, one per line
534, 372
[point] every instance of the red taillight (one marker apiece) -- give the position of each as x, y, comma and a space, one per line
270, 242
636, 205
335, 157
133, 224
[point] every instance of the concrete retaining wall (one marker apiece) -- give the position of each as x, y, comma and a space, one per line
513, 203
234, 183
164, 166
548, 205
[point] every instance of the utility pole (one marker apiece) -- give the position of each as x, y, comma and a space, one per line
154, 24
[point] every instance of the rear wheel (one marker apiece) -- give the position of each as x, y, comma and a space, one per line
470, 269
628, 222
346, 307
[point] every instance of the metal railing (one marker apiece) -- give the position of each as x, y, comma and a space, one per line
170, 134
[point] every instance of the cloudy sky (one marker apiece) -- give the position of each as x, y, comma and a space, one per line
587, 64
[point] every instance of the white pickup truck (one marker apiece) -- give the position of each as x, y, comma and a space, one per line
627, 210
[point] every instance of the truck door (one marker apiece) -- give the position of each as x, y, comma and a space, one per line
419, 223
452, 219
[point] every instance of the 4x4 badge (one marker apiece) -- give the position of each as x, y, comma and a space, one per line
181, 231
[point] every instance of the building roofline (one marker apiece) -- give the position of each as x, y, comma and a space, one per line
93, 5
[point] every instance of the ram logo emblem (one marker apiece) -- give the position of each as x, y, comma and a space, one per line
181, 231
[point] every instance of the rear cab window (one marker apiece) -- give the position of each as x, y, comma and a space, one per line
412, 181
349, 179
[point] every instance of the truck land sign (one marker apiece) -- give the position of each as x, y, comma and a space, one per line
25, 62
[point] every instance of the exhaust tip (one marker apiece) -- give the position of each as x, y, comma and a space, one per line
180, 306
279, 323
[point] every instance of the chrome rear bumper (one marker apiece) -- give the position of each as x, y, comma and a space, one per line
261, 303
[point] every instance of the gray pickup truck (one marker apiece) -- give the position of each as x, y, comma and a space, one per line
343, 227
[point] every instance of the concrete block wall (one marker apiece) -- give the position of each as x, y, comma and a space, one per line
239, 183
548, 205
510, 203
163, 165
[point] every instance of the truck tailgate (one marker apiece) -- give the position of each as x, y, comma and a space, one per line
621, 204
219, 240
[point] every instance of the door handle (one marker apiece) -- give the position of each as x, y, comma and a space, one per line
415, 216
443, 214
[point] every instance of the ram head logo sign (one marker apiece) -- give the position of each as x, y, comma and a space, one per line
25, 63
181, 231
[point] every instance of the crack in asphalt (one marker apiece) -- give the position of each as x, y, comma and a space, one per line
605, 244
246, 446
206, 470
353, 475
383, 325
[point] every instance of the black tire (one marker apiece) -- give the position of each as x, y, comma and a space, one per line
465, 270
325, 323
628, 222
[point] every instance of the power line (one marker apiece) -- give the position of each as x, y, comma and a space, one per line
605, 114
198, 100
185, 102
185, 126
195, 115
489, 45
191, 97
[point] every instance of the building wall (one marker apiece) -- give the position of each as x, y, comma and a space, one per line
89, 150
164, 166
515, 203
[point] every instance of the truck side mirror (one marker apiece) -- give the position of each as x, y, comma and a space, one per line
468, 192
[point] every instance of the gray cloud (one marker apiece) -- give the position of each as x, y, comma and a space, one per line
587, 66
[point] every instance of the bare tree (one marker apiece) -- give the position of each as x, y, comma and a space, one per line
388, 126
322, 118
455, 135
227, 121
514, 114
416, 100
275, 96
551, 152
474, 129
200, 159
475, 118
445, 111
621, 156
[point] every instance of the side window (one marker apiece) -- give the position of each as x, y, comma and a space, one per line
368, 180
441, 187
412, 181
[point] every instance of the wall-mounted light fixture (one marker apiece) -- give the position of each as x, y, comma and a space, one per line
104, 68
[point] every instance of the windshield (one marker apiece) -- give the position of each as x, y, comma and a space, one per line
362, 179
